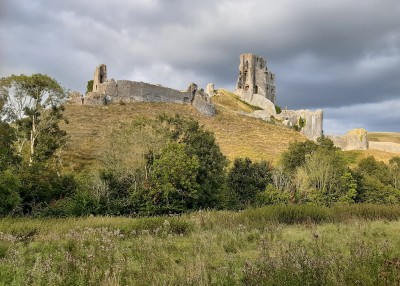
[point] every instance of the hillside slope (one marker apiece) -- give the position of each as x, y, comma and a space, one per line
237, 135
393, 137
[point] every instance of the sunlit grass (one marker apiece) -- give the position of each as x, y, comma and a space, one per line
316, 246
384, 137
237, 135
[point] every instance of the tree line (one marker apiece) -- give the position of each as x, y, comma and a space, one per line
165, 165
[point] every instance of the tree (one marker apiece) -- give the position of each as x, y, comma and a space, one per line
295, 156
9, 196
34, 105
246, 180
371, 167
394, 166
328, 179
201, 143
89, 86
174, 186
7, 151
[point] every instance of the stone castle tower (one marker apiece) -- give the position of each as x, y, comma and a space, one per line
100, 76
255, 78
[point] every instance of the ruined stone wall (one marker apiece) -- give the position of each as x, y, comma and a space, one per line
203, 104
254, 78
310, 122
111, 91
353, 140
131, 91
390, 147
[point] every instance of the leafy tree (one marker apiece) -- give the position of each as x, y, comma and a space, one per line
34, 105
327, 178
372, 190
7, 150
326, 143
201, 143
89, 86
136, 175
246, 180
378, 181
379, 170
295, 156
394, 166
174, 185
9, 196
41, 186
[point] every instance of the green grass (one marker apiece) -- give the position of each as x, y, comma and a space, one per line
282, 245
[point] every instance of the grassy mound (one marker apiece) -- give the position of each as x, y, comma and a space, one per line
237, 135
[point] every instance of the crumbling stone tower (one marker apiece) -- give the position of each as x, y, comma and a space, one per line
100, 76
255, 78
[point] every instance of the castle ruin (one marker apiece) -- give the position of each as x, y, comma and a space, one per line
255, 86
309, 123
355, 139
108, 91
255, 78
100, 76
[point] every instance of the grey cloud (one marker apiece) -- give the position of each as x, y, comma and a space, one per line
382, 116
326, 54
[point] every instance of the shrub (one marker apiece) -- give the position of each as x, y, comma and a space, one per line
246, 180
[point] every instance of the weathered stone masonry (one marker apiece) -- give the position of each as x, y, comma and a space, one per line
255, 78
255, 85
108, 91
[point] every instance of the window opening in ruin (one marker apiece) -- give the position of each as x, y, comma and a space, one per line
246, 87
245, 77
256, 89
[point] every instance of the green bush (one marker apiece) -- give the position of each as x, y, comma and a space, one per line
288, 214
9, 195
246, 180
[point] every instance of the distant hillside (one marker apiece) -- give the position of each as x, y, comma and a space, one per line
237, 135
393, 137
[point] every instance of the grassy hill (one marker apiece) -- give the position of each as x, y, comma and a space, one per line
237, 135
384, 137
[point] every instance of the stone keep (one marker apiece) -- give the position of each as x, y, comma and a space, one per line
255, 78
100, 76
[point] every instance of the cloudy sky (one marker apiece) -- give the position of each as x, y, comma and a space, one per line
339, 55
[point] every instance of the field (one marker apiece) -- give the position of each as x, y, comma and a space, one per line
384, 137
285, 245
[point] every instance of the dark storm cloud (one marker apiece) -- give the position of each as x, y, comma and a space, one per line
381, 116
326, 54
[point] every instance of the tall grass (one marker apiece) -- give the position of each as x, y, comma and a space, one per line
279, 245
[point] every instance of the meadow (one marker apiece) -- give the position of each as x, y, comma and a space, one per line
274, 245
